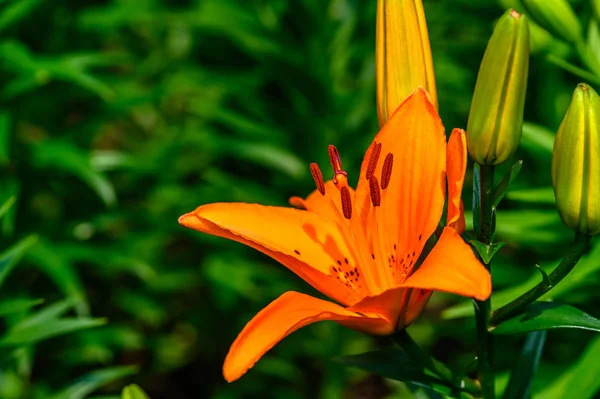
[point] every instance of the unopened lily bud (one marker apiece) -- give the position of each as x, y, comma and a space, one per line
496, 116
557, 17
576, 163
596, 7
403, 55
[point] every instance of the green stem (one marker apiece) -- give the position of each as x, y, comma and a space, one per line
515, 307
465, 384
486, 226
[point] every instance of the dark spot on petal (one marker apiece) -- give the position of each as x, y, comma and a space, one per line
296, 251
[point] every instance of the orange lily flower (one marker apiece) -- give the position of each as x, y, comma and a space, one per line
361, 248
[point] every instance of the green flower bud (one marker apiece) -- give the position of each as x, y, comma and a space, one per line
496, 116
576, 163
557, 17
596, 7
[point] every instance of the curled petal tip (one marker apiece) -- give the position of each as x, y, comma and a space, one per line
184, 220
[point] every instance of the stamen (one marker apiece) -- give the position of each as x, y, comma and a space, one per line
315, 171
340, 177
375, 191
373, 160
334, 158
386, 172
346, 202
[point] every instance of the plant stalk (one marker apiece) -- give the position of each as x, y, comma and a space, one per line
486, 225
464, 384
582, 242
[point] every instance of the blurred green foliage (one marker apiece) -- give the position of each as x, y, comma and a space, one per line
118, 116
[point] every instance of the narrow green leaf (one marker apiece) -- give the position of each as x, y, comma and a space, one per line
10, 257
537, 139
397, 365
486, 252
16, 11
505, 182
545, 316
541, 195
580, 381
17, 305
61, 271
7, 205
5, 137
66, 157
522, 375
90, 382
44, 315
39, 332
133, 392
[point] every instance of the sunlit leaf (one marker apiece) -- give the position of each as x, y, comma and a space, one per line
537, 139
543, 195
62, 273
90, 382
397, 365
580, 380
10, 257
133, 392
505, 182
16, 11
5, 137
9, 306
46, 323
546, 316
66, 157
522, 375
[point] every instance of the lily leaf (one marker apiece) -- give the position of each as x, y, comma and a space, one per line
60, 270
46, 323
546, 316
66, 157
133, 392
580, 381
10, 257
519, 385
505, 182
541, 195
87, 384
486, 252
17, 305
397, 365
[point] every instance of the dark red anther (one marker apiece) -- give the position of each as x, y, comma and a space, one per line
315, 171
375, 191
334, 158
346, 202
373, 160
386, 172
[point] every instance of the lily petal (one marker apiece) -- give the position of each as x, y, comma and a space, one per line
413, 202
308, 245
282, 317
452, 267
456, 165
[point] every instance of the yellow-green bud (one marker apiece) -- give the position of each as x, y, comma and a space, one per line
596, 7
403, 55
576, 163
557, 17
496, 116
